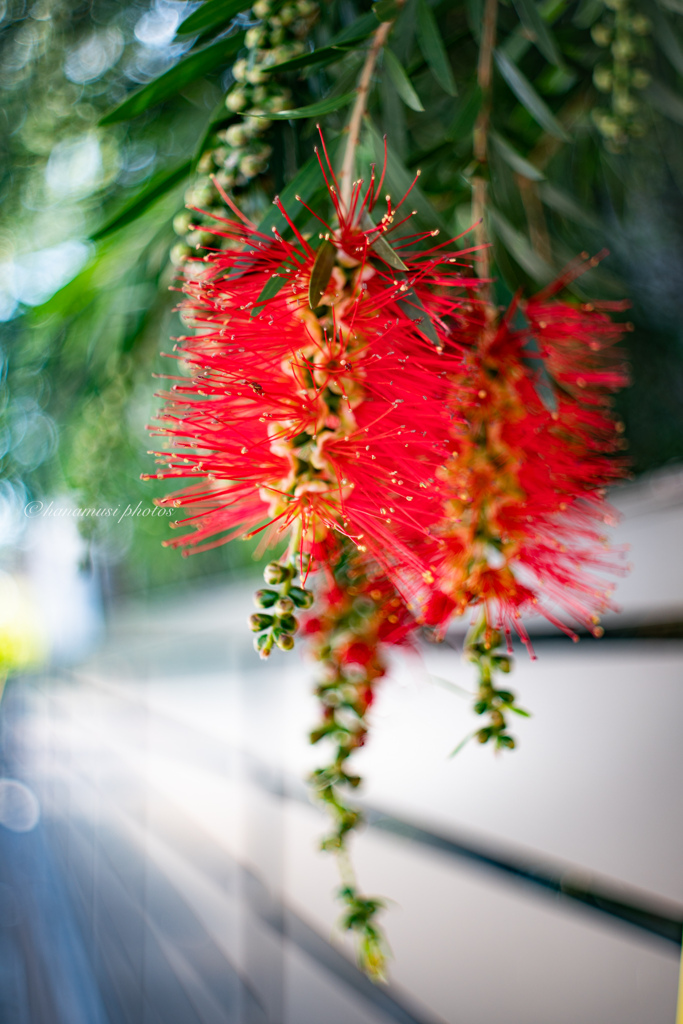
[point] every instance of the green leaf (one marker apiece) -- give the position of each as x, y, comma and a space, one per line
321, 272
665, 101
565, 204
529, 98
271, 288
415, 311
306, 183
666, 36
386, 10
382, 247
158, 186
337, 47
313, 109
210, 15
187, 70
514, 159
538, 30
518, 711
518, 246
402, 84
462, 743
433, 49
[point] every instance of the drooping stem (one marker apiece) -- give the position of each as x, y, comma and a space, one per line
359, 107
480, 142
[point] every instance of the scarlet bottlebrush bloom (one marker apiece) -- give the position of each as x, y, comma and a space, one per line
321, 410
535, 444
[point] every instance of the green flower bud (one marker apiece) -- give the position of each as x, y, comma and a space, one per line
255, 76
236, 100
640, 24
265, 598
640, 78
262, 8
275, 573
263, 645
259, 622
255, 37
285, 641
179, 253
288, 623
625, 104
601, 34
182, 221
623, 49
301, 598
239, 70
602, 78
284, 606
236, 136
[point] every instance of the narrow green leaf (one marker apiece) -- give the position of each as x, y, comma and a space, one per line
187, 70
565, 204
402, 84
321, 272
382, 247
313, 109
306, 183
462, 743
210, 15
665, 35
271, 288
316, 58
529, 98
337, 47
518, 247
543, 38
433, 49
415, 311
514, 159
158, 186
386, 10
518, 711
665, 101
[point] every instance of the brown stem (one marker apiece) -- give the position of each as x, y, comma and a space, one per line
480, 140
346, 173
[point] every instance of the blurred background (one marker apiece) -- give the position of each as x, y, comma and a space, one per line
158, 852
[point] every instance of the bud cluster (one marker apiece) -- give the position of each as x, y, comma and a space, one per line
621, 33
275, 621
239, 153
483, 650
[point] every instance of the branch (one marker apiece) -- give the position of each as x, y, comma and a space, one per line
346, 173
480, 139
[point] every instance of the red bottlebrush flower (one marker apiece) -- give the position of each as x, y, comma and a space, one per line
327, 422
535, 444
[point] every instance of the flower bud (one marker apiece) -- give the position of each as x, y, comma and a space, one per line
602, 79
601, 34
289, 624
258, 622
262, 8
640, 78
265, 598
284, 606
236, 100
285, 641
263, 645
275, 573
301, 598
